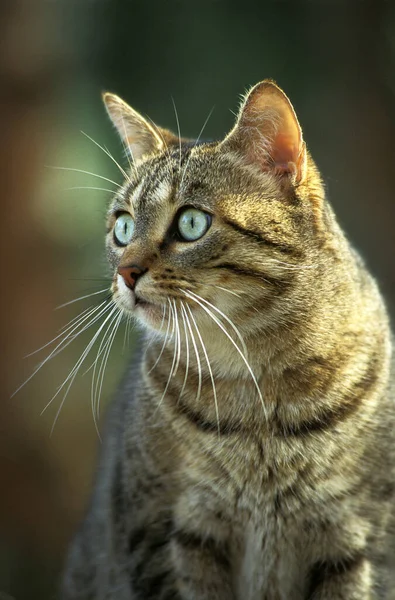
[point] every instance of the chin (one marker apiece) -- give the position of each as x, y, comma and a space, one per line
150, 315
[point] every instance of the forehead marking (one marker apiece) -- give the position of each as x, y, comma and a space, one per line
136, 192
162, 191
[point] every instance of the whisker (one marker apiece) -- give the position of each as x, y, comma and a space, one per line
127, 332
105, 361
62, 344
106, 279
109, 155
128, 150
63, 330
186, 350
89, 187
178, 339
86, 173
208, 366
199, 390
178, 128
64, 327
163, 345
226, 319
73, 373
101, 349
291, 266
155, 335
195, 144
69, 339
214, 318
238, 295
82, 358
81, 298
158, 131
172, 365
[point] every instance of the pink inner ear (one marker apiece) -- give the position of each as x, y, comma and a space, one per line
284, 150
269, 133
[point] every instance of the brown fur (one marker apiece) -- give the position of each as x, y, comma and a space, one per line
285, 493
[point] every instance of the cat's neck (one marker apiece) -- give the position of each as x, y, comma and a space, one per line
286, 374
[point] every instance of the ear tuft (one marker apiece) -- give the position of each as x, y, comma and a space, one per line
267, 132
139, 136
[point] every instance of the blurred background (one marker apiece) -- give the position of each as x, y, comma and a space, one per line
336, 60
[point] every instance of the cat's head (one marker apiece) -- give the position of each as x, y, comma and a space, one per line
217, 233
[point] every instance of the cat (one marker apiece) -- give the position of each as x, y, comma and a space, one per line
249, 453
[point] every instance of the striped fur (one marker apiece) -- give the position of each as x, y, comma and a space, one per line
259, 468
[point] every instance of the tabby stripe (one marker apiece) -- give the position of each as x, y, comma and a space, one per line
157, 537
136, 538
325, 570
280, 284
257, 236
196, 419
152, 587
332, 415
192, 541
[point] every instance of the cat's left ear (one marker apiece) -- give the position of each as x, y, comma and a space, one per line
267, 133
140, 137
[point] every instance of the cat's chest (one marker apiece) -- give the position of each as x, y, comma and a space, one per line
262, 493
269, 567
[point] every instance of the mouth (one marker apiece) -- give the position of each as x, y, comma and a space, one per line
147, 310
140, 302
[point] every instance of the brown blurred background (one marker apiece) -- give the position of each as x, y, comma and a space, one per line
335, 59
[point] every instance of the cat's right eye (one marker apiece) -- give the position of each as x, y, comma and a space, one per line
123, 229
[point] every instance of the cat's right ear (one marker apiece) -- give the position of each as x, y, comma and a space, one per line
140, 137
267, 133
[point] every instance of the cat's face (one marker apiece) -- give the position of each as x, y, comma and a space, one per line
215, 233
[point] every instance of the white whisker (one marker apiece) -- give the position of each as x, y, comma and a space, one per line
128, 150
163, 345
105, 361
64, 329
126, 337
195, 144
178, 334
227, 319
208, 366
178, 128
70, 338
289, 266
89, 187
172, 365
86, 173
186, 350
214, 318
63, 343
199, 390
101, 349
73, 373
109, 155
81, 298
158, 131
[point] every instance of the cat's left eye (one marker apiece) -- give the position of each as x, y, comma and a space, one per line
193, 224
123, 229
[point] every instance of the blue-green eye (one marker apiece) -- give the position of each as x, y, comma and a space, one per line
123, 229
193, 224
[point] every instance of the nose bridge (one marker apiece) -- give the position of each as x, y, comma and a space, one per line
140, 254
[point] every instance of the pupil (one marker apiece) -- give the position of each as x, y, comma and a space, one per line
125, 228
192, 222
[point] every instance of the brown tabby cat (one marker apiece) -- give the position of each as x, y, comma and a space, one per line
250, 454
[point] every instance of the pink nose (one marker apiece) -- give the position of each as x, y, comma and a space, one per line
131, 274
